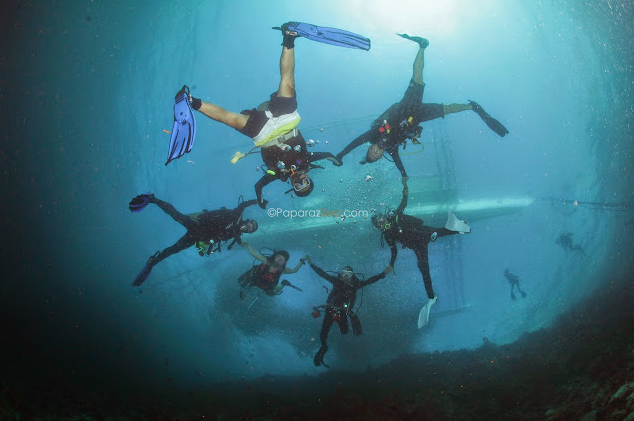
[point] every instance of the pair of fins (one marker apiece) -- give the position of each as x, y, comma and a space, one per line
453, 224
493, 124
184, 130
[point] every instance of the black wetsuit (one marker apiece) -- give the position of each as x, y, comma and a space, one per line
400, 129
412, 233
339, 306
212, 227
295, 156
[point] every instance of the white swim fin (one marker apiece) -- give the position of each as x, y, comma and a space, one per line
455, 224
423, 316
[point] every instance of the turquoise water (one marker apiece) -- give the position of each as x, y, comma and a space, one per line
87, 91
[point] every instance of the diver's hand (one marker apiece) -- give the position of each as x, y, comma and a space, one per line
243, 243
388, 269
263, 203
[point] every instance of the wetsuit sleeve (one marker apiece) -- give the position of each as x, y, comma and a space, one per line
237, 214
242, 206
365, 137
372, 280
266, 179
319, 271
317, 156
394, 251
403, 204
397, 160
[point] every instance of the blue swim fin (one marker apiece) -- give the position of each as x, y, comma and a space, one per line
493, 124
332, 36
145, 272
184, 130
140, 202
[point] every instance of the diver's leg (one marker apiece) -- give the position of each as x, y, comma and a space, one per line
427, 233
287, 72
356, 324
185, 242
323, 336
423, 265
245, 279
182, 219
181, 244
442, 232
455, 108
325, 327
343, 324
217, 113
419, 65
272, 292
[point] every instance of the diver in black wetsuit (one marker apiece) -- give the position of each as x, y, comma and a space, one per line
565, 241
340, 303
514, 280
267, 274
400, 122
397, 227
290, 159
206, 230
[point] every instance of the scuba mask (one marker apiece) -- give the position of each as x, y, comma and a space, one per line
304, 182
347, 274
382, 221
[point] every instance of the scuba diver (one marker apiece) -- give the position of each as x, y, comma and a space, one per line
397, 227
290, 161
206, 230
400, 122
514, 280
267, 274
340, 304
565, 241
273, 125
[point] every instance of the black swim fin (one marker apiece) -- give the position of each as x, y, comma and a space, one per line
422, 42
140, 202
493, 124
